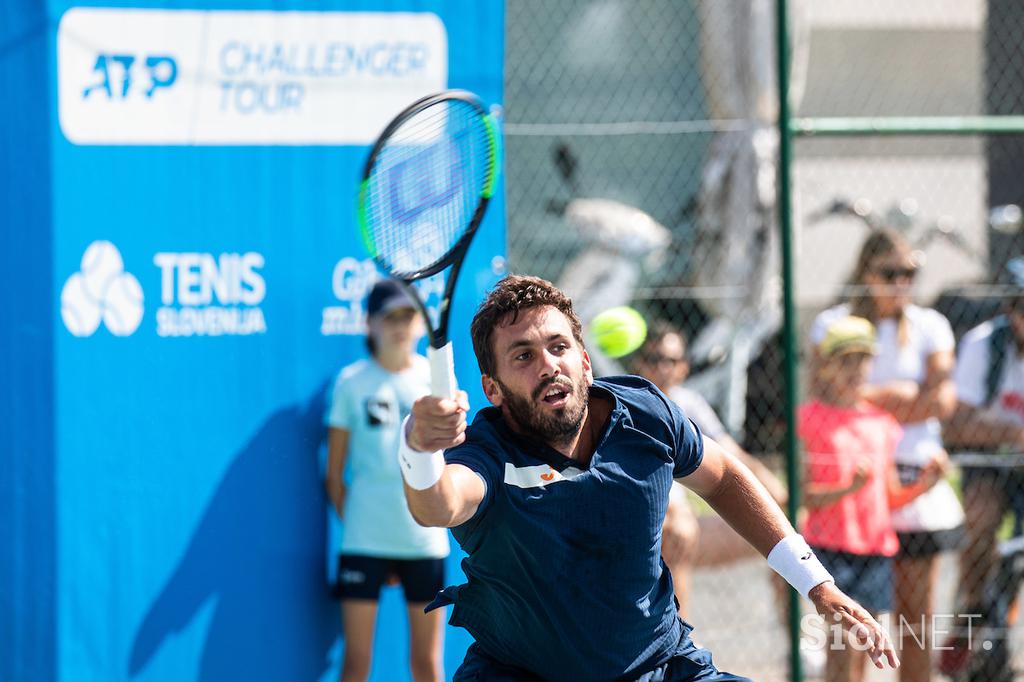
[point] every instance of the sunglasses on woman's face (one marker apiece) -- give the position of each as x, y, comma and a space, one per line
891, 274
655, 359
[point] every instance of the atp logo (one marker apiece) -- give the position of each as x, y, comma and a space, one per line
115, 75
101, 291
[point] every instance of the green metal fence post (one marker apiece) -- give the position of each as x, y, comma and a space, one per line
789, 311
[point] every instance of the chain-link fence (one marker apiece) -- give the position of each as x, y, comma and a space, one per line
642, 152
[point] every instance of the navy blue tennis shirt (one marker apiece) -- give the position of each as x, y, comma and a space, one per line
565, 577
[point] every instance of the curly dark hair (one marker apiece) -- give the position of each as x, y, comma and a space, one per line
510, 296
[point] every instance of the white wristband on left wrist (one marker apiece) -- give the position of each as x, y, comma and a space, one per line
794, 560
421, 470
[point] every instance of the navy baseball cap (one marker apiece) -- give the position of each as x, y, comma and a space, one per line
385, 296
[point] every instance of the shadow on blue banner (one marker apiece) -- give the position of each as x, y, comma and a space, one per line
258, 554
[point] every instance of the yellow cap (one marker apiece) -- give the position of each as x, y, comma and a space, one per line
848, 335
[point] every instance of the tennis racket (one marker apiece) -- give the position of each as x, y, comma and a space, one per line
425, 188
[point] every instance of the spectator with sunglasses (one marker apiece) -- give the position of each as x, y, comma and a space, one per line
990, 417
911, 378
689, 541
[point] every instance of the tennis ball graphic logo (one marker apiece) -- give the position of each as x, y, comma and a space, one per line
618, 331
122, 308
81, 312
101, 264
102, 290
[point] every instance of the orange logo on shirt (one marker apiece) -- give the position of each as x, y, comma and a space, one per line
548, 476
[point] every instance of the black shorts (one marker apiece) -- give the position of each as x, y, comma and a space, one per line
361, 577
1005, 480
924, 544
920, 544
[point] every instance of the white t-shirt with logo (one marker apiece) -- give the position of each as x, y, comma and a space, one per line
971, 376
928, 332
370, 403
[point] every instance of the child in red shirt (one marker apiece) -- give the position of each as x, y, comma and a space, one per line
851, 484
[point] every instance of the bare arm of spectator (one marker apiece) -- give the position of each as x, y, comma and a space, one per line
910, 402
824, 494
337, 454
971, 427
901, 495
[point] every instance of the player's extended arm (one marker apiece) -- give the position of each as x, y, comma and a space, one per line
733, 491
438, 494
739, 498
768, 479
934, 397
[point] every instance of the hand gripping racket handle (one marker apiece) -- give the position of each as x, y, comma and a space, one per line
442, 371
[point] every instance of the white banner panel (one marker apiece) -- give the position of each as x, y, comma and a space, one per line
185, 77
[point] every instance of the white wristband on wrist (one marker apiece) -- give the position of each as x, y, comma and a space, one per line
793, 559
421, 470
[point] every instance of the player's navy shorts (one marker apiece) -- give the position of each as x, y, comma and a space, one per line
689, 664
866, 578
361, 577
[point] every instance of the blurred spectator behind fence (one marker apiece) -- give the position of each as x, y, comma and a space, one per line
990, 417
686, 540
381, 543
851, 481
911, 377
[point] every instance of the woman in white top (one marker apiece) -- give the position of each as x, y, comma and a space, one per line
912, 379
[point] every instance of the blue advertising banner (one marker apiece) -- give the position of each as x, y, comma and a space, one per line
201, 280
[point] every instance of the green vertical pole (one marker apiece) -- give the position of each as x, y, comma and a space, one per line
789, 311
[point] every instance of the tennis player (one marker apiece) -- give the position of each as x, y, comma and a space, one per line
557, 493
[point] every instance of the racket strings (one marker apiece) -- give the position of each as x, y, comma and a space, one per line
425, 185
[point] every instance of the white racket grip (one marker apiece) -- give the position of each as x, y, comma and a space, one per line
442, 371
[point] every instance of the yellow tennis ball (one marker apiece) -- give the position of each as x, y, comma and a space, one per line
618, 331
